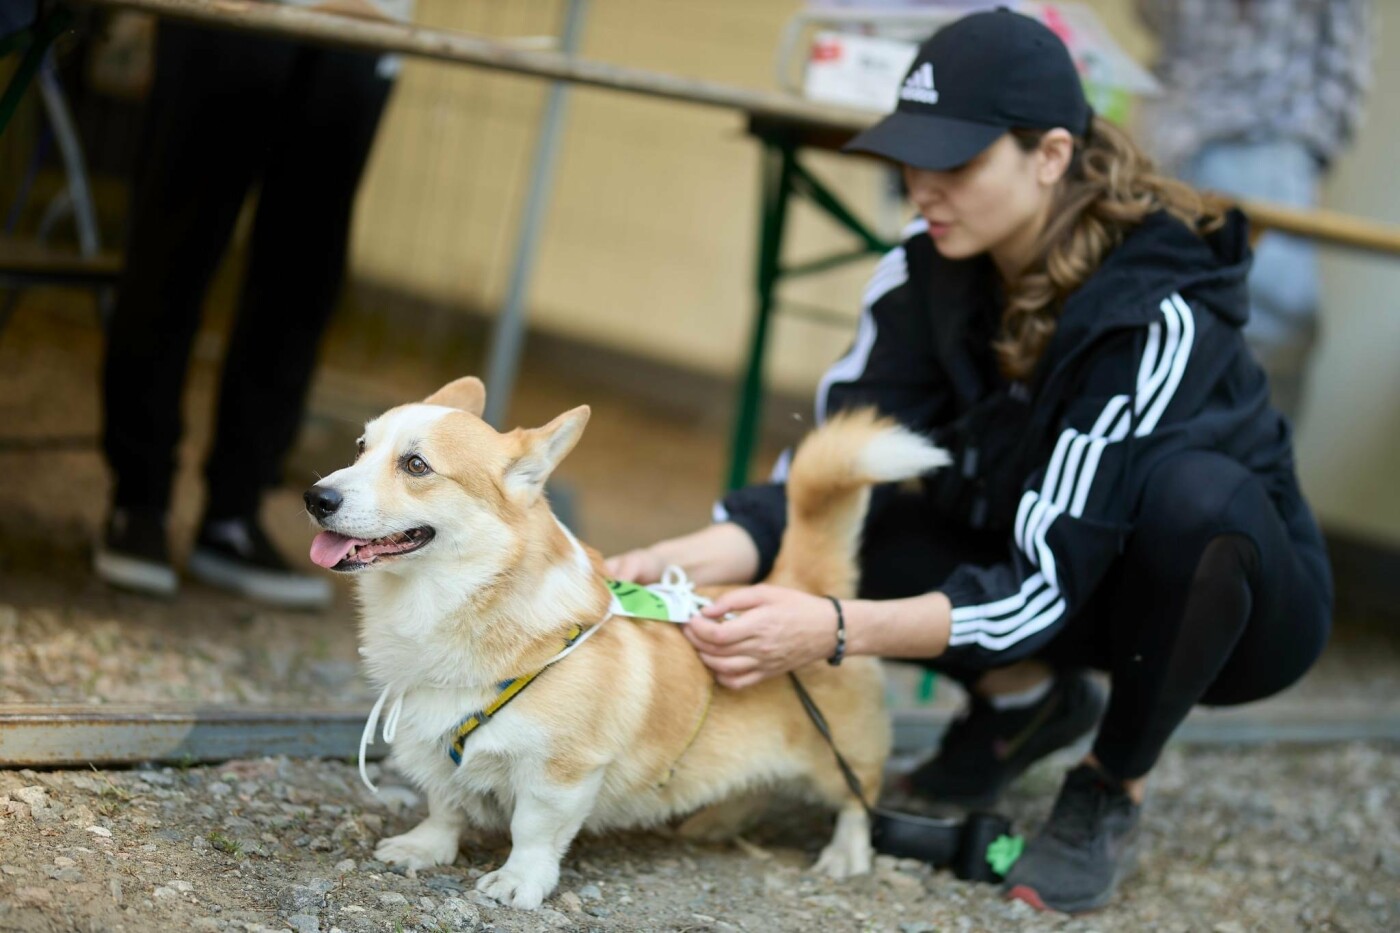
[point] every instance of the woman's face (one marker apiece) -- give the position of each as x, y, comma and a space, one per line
996, 204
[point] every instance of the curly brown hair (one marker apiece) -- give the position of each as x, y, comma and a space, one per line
1109, 188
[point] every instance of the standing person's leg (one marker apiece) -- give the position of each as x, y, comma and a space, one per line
329, 112
1216, 599
1283, 282
199, 154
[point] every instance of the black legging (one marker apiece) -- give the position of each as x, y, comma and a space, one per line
1216, 599
228, 111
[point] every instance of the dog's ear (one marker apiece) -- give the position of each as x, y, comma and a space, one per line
467, 393
541, 451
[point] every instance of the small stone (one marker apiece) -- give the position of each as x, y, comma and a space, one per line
345, 865
102, 831
459, 913
115, 886
304, 923
829, 902
206, 923
184, 887
590, 892
918, 926
445, 884
597, 910
398, 798
552, 917
392, 899
34, 795
571, 902
163, 893
220, 789
68, 875
902, 883
11, 870
299, 897
63, 861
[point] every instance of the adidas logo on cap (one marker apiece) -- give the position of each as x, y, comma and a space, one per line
919, 85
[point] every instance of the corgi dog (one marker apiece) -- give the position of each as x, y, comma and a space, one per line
467, 582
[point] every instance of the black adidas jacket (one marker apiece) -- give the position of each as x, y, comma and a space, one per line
1147, 361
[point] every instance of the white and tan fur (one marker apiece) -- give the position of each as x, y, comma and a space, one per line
589, 743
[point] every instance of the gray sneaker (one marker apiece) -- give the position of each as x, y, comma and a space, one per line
986, 749
235, 554
1083, 851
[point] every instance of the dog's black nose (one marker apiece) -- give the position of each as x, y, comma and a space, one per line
322, 501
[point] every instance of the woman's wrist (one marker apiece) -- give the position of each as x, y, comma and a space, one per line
915, 627
720, 553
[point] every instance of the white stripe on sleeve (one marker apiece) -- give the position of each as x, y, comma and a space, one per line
892, 272
1069, 477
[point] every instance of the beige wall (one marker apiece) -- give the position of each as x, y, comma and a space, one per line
650, 239
1349, 439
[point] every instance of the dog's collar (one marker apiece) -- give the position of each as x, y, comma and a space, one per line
508, 690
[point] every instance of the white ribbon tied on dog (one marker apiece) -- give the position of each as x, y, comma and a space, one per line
676, 590
675, 593
391, 728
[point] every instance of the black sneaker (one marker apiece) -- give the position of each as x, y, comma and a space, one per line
986, 749
235, 554
1081, 853
133, 553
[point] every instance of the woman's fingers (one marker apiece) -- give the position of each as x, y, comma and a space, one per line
729, 666
739, 681
740, 600
721, 638
636, 566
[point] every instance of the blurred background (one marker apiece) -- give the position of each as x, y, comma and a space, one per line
640, 303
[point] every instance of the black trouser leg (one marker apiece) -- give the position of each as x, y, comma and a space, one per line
201, 148
1216, 599
326, 124
1212, 602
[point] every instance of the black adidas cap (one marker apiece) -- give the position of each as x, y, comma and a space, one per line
971, 82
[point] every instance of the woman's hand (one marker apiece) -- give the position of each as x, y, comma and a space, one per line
776, 630
642, 565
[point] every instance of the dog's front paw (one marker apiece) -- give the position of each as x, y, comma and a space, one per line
516, 888
422, 847
839, 861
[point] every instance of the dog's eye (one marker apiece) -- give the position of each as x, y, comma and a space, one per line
416, 465
359, 446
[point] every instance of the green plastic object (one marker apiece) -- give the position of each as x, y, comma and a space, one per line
1003, 853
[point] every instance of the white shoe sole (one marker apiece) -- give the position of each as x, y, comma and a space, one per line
133, 573
287, 590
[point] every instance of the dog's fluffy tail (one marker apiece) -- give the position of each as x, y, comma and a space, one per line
828, 490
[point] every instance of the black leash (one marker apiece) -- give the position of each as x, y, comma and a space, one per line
819, 721
979, 848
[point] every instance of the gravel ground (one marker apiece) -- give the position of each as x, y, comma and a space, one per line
1268, 839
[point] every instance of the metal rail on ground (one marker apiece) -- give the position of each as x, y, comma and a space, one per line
72, 736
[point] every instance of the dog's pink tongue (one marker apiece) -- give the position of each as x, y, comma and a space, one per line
329, 548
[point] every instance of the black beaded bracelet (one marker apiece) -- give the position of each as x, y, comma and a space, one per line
840, 653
